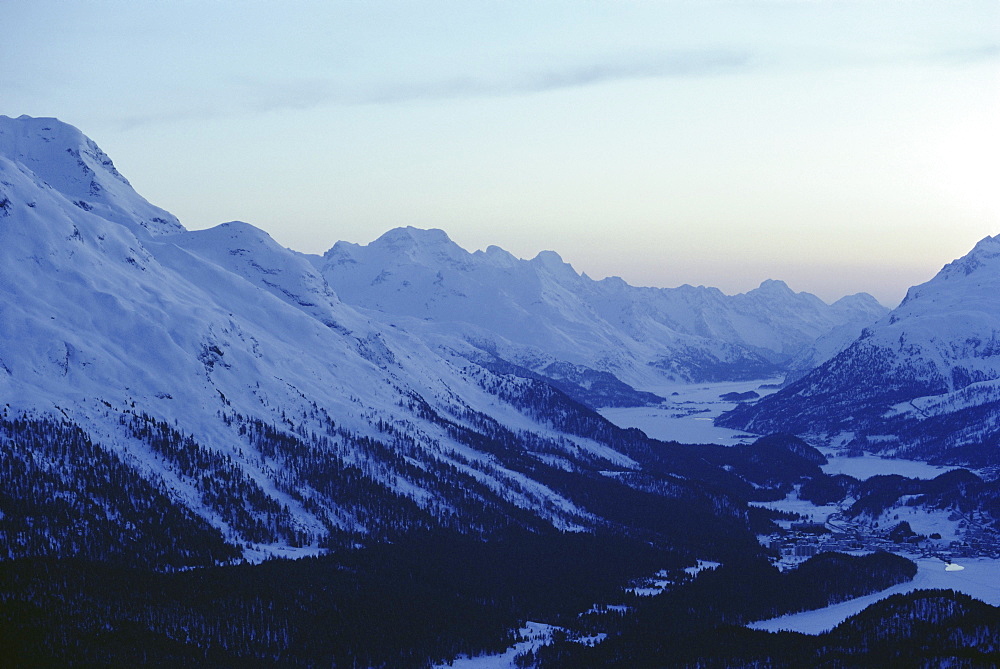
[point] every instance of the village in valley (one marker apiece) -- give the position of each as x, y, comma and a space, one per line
912, 531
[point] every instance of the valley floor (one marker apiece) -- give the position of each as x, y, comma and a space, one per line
689, 412
972, 568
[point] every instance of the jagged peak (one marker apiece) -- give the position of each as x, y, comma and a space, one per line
980, 266
690, 290
774, 285
497, 256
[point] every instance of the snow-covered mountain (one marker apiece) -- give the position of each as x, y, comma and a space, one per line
540, 314
924, 381
207, 394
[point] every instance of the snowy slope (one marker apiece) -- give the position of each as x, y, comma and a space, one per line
540, 312
923, 381
101, 319
223, 373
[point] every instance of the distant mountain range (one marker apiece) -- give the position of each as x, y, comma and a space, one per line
275, 403
924, 382
543, 316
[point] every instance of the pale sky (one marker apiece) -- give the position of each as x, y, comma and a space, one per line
839, 146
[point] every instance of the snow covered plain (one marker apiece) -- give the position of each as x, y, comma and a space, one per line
980, 578
689, 413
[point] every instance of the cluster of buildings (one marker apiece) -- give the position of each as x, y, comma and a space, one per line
803, 540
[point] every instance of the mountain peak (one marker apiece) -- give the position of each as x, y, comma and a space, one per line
774, 286
979, 268
497, 256
49, 146
549, 258
861, 303
553, 262
922, 382
58, 155
409, 236
983, 253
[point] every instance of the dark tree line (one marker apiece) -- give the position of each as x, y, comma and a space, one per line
425, 598
958, 490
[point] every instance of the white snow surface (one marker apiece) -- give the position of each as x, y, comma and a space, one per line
935, 355
534, 636
108, 305
979, 578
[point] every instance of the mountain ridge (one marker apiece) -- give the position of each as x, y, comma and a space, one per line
541, 311
922, 382
220, 373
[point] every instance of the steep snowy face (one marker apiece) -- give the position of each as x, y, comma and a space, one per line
57, 156
925, 380
858, 311
541, 312
202, 340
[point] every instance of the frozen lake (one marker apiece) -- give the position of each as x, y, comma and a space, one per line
867, 466
979, 578
688, 414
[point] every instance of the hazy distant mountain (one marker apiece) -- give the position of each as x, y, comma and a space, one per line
925, 381
541, 315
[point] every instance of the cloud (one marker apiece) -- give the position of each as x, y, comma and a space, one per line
663, 65
248, 96
969, 55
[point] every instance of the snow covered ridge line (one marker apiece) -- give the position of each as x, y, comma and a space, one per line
58, 156
541, 313
231, 356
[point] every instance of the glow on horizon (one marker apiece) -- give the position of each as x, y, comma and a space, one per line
839, 146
